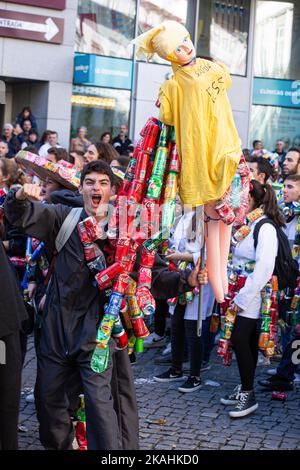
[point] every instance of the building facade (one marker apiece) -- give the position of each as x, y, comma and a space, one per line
74, 64
36, 62
255, 39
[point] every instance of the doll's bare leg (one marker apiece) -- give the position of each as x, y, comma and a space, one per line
213, 260
225, 237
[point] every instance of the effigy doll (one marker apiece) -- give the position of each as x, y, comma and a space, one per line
213, 171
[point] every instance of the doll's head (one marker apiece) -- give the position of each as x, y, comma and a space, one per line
170, 40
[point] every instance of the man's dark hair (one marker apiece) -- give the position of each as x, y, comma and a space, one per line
255, 142
59, 152
294, 178
295, 149
263, 166
97, 166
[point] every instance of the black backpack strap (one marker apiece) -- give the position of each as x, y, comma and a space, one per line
257, 229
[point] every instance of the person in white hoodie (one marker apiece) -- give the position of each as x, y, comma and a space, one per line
247, 303
185, 245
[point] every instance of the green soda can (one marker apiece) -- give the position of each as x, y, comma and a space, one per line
164, 136
168, 215
139, 345
154, 242
265, 325
80, 415
100, 359
43, 262
154, 187
160, 161
173, 134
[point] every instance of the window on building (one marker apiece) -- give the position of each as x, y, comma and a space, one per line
154, 12
223, 30
99, 110
271, 123
105, 27
277, 40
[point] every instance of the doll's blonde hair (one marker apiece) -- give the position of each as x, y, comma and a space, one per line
162, 40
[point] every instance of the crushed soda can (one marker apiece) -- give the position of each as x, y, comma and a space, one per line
93, 228
281, 396
91, 251
225, 213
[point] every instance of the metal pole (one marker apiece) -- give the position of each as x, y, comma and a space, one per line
202, 264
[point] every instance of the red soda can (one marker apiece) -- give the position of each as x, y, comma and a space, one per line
105, 278
122, 250
149, 123
273, 331
139, 328
240, 282
141, 166
274, 315
83, 234
172, 301
122, 340
225, 213
121, 283
147, 259
282, 396
18, 261
91, 251
144, 277
135, 193
243, 169
131, 258
223, 346
214, 323
34, 243
227, 359
93, 228
150, 138
174, 164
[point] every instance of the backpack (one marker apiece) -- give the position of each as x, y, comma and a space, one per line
286, 268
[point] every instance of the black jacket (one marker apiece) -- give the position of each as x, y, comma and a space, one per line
74, 305
12, 310
123, 148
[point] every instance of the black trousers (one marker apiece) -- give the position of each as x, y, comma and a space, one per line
182, 330
244, 338
110, 402
10, 390
161, 313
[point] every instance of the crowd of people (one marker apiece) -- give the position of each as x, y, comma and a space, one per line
55, 299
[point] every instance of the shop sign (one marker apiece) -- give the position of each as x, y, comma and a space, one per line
52, 4
106, 72
272, 92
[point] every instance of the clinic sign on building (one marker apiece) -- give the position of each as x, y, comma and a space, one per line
272, 92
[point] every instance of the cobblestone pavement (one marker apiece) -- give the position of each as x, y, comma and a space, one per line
193, 420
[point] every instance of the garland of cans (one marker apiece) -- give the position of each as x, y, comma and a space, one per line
150, 186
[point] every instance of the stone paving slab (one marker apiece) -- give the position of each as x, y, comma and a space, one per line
194, 421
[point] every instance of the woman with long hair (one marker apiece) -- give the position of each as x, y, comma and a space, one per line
100, 151
247, 303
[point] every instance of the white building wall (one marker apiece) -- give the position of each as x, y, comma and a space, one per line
50, 65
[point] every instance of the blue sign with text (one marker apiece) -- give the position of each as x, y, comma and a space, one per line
102, 71
272, 92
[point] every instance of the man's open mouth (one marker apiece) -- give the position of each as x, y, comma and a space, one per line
189, 53
96, 199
